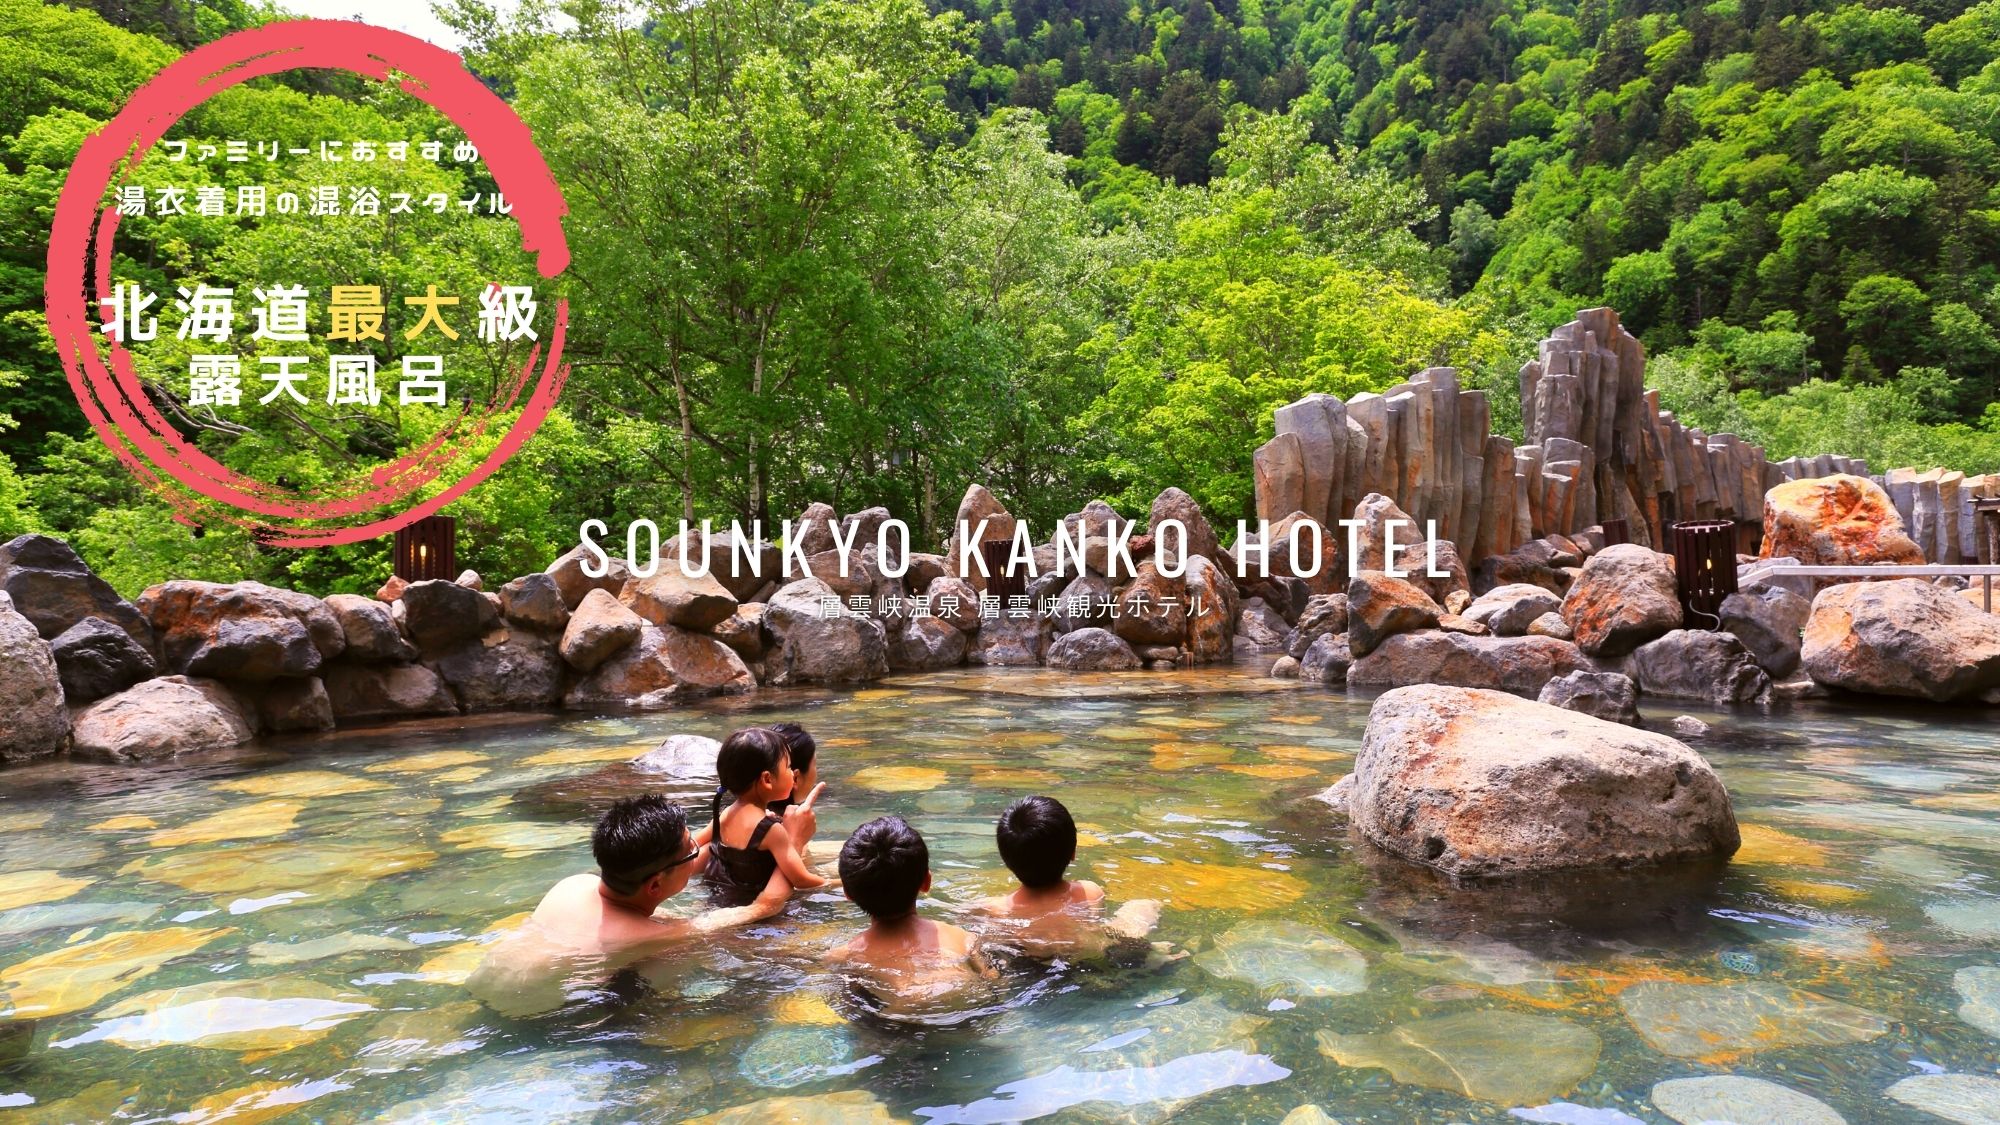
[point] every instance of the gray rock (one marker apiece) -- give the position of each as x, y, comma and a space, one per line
470, 579
31, 692
686, 756
666, 666
1906, 638
1152, 609
511, 669
96, 658
1509, 610
1625, 597
1009, 642
1480, 784
954, 601
1687, 726
54, 589
367, 692
370, 629
1287, 668
1698, 664
1603, 695
1327, 660
599, 628
299, 704
809, 646
813, 530
1263, 626
573, 583
1087, 600
242, 631
1516, 664
672, 598
927, 644
743, 631
1323, 614
440, 615
1967, 1099
1770, 623
1174, 504
160, 719
534, 601
1091, 649
1551, 625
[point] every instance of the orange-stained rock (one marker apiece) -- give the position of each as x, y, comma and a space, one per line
1379, 607
1839, 520
1624, 597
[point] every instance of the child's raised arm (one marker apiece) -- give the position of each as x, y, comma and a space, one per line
790, 863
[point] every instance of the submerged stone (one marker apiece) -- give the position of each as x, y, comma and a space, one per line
25, 920
1286, 958
319, 949
1979, 987
243, 822
1977, 918
1492, 1056
1695, 1021
1185, 885
301, 784
77, 976
899, 779
513, 838
425, 763
848, 1107
1740, 1100
269, 1014
794, 1056
549, 1087
25, 888
1968, 1099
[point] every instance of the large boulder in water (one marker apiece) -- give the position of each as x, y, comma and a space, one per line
160, 719
31, 694
1480, 784
1211, 612
1323, 615
53, 588
242, 631
1905, 637
1840, 520
1152, 609
817, 640
1516, 664
96, 658
1625, 597
665, 666
534, 601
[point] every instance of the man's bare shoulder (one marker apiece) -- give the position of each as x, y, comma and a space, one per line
1083, 890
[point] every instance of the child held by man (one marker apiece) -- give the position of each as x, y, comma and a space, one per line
751, 839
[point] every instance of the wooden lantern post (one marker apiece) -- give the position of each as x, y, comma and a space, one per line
1616, 532
1704, 568
1000, 584
428, 549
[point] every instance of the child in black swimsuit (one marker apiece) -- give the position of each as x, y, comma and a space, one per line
748, 841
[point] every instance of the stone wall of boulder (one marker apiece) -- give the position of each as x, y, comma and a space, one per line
1597, 447
197, 665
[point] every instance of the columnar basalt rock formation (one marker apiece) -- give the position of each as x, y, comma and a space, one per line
1596, 447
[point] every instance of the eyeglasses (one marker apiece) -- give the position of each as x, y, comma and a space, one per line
632, 879
688, 858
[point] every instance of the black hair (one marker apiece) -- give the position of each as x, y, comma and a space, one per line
636, 833
748, 754
801, 744
882, 867
1037, 840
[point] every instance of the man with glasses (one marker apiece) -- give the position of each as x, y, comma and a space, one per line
593, 923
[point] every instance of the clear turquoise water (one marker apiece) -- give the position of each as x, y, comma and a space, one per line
297, 920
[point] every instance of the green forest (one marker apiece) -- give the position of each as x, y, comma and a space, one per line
869, 251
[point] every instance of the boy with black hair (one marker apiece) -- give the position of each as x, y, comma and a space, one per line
910, 965
598, 923
1050, 915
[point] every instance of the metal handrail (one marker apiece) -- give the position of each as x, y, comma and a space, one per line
1767, 568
